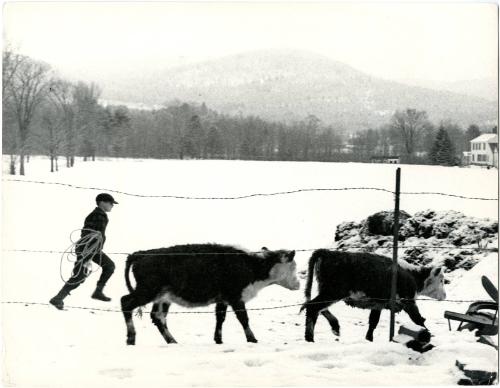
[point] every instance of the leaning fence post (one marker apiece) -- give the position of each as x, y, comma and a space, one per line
395, 252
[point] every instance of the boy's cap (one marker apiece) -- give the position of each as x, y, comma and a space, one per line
104, 197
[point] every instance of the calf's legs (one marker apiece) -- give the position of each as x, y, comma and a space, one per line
332, 320
129, 303
409, 306
313, 308
412, 310
241, 314
220, 316
159, 318
373, 322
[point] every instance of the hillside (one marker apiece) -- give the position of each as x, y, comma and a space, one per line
288, 85
485, 88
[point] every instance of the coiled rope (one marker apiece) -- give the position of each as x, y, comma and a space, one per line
82, 252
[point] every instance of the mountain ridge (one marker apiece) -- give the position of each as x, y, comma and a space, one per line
287, 85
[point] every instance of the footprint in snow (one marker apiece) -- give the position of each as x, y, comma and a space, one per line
119, 373
254, 362
316, 356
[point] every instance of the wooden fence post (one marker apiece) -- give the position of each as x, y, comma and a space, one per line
395, 252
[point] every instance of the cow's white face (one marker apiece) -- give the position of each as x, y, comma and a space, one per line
434, 284
284, 272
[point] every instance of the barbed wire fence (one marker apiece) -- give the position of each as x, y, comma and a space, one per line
277, 307
395, 246
251, 195
449, 247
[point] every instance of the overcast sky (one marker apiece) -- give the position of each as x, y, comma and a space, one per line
446, 42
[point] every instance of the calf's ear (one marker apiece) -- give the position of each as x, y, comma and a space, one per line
436, 271
288, 256
264, 252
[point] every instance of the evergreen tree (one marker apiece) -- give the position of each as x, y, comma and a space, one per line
443, 152
472, 132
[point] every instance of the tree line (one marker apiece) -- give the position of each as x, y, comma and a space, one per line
45, 114
411, 136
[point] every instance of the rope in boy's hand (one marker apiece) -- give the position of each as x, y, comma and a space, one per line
81, 252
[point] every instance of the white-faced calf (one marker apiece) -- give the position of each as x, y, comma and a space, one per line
203, 274
363, 280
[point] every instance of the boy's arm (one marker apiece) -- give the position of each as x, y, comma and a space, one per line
95, 222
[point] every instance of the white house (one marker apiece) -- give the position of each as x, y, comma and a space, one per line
484, 150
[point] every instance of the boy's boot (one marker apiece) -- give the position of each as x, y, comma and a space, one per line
98, 294
57, 301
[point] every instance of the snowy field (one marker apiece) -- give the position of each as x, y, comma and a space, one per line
44, 347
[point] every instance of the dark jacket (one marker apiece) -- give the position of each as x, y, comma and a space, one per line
97, 220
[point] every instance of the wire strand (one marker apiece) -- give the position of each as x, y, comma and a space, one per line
245, 196
252, 195
451, 247
446, 195
248, 309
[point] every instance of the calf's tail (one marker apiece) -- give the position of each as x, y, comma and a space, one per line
310, 275
131, 259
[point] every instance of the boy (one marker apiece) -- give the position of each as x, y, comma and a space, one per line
95, 221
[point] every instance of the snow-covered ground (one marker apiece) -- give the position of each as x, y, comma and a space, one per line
44, 347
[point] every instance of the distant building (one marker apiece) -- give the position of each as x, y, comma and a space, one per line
386, 159
466, 158
484, 150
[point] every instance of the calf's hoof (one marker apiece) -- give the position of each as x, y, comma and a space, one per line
309, 338
252, 339
218, 341
130, 340
369, 338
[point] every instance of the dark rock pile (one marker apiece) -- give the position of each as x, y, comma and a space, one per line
426, 237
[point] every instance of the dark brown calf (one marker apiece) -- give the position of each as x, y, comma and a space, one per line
193, 276
363, 280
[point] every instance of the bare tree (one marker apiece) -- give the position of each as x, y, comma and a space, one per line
10, 64
311, 128
85, 98
53, 123
62, 96
28, 88
9, 139
409, 125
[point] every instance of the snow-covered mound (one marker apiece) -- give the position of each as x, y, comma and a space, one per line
447, 238
469, 286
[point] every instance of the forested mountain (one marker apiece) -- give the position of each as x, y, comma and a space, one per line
288, 85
